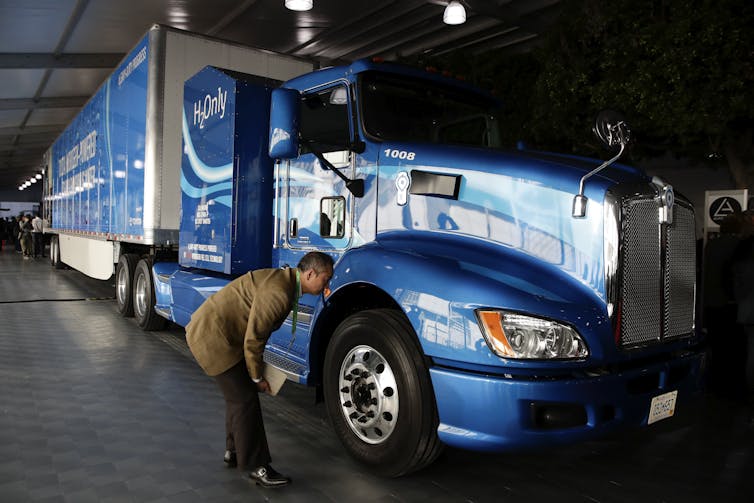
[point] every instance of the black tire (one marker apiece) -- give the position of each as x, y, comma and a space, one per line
377, 348
55, 253
144, 298
124, 281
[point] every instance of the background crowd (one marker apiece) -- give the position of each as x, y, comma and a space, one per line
23, 233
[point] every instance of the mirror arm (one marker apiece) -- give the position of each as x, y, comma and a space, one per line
579, 200
328, 165
600, 168
355, 186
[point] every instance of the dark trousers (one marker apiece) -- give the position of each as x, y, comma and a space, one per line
38, 243
244, 426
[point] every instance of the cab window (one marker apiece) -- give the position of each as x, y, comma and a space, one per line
332, 217
324, 119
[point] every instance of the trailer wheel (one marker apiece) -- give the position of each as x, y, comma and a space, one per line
55, 253
124, 276
144, 298
378, 393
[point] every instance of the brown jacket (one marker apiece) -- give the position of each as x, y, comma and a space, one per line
235, 323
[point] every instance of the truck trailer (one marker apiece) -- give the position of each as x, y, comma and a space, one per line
483, 297
113, 184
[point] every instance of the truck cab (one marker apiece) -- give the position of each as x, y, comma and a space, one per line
471, 305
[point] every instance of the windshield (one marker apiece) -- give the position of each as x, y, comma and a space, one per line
400, 108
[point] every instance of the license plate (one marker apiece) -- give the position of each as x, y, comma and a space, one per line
662, 407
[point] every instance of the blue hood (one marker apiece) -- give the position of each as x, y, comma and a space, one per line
518, 200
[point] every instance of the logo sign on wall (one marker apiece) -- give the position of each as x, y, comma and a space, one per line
719, 204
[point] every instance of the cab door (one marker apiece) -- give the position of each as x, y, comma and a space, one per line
315, 207
318, 204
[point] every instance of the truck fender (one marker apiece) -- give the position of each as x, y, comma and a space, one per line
438, 282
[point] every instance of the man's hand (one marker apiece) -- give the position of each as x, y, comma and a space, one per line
263, 386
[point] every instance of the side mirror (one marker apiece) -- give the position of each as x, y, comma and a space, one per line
611, 129
284, 124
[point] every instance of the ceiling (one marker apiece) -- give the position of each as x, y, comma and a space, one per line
54, 54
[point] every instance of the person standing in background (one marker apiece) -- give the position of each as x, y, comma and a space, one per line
3, 233
25, 229
742, 275
17, 232
37, 236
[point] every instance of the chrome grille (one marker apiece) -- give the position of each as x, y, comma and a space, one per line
641, 315
658, 273
680, 274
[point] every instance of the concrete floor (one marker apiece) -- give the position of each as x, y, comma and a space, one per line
94, 409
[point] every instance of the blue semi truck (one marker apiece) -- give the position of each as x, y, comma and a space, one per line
483, 297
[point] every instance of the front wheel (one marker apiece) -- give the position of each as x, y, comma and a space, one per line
144, 298
378, 393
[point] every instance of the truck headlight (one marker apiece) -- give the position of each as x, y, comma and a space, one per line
523, 337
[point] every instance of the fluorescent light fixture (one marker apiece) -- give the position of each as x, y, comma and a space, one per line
454, 13
299, 5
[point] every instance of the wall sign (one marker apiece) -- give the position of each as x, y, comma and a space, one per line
718, 204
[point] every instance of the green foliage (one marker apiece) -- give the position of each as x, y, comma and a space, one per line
681, 71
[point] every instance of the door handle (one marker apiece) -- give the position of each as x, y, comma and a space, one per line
293, 228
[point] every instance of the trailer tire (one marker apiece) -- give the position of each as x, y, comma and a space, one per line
55, 253
144, 298
378, 393
124, 281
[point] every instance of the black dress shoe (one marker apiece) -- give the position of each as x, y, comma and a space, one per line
230, 459
266, 476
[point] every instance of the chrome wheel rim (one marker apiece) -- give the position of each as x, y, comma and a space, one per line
140, 296
368, 394
121, 287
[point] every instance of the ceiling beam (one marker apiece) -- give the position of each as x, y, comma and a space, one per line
11, 131
392, 29
69, 60
230, 17
23, 149
58, 102
438, 34
354, 28
21, 162
475, 39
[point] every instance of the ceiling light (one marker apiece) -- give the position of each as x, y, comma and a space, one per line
299, 4
38, 176
33, 180
454, 13
21, 188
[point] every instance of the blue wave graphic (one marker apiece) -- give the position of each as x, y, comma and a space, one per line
209, 174
207, 192
224, 200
